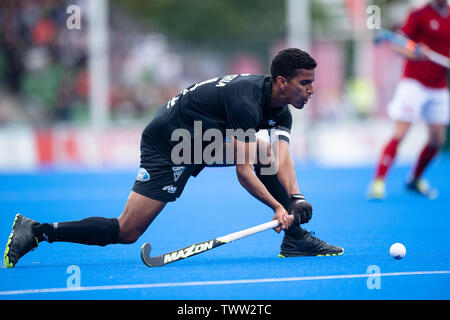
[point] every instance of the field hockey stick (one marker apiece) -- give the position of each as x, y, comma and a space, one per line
201, 246
404, 42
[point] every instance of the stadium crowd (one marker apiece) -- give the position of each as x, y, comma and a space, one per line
44, 65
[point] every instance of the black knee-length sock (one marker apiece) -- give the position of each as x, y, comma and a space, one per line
92, 231
276, 189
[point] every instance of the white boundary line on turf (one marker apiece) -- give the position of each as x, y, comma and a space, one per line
218, 282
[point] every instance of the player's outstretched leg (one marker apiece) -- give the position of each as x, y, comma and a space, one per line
21, 240
377, 189
27, 233
415, 182
137, 215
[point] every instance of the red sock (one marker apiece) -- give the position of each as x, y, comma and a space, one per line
425, 158
386, 159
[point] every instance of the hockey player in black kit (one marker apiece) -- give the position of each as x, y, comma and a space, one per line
232, 108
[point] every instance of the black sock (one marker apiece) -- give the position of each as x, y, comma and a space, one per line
274, 186
41, 229
93, 231
276, 189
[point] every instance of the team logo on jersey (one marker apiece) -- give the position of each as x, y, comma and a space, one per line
177, 172
434, 24
269, 124
143, 175
170, 189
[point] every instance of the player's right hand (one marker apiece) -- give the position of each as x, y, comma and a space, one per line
285, 220
300, 209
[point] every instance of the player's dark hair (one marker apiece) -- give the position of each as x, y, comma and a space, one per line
288, 61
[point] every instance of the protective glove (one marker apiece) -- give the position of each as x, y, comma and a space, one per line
300, 209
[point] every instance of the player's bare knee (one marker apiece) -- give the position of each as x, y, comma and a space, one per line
129, 236
128, 232
132, 238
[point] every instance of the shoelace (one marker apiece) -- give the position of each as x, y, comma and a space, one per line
311, 234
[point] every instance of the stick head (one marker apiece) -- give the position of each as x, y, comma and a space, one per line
145, 253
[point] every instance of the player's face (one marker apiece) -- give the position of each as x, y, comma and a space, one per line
300, 88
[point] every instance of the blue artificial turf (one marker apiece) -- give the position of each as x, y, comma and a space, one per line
214, 204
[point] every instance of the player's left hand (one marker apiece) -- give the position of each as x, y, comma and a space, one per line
300, 209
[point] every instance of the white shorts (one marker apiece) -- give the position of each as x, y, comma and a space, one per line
412, 101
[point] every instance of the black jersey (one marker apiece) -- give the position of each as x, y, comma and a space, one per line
225, 103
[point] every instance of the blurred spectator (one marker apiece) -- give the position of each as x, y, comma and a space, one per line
35, 68
44, 65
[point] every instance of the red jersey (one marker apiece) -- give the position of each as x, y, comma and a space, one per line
427, 26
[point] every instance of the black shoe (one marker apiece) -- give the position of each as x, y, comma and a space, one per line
305, 245
20, 241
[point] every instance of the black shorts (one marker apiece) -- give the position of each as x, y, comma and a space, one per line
158, 178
